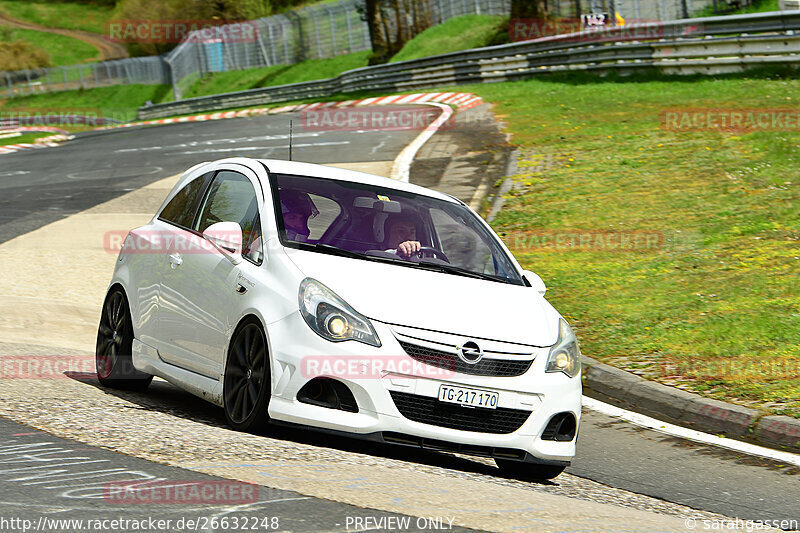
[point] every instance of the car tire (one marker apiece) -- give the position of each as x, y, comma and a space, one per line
113, 352
529, 471
246, 385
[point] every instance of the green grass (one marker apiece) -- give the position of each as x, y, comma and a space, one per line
24, 138
759, 6
313, 69
460, 33
119, 102
67, 15
714, 306
61, 49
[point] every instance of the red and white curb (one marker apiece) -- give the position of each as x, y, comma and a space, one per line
46, 129
44, 142
461, 101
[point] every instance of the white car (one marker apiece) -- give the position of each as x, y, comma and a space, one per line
306, 294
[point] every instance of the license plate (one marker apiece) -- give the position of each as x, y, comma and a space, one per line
468, 397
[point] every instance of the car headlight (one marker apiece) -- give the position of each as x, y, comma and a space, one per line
565, 356
331, 317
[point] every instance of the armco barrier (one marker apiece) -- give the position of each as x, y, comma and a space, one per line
710, 45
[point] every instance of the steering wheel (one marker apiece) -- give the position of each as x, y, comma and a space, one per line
435, 253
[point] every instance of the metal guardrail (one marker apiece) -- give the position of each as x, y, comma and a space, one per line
705, 45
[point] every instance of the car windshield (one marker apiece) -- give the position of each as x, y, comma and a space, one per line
388, 225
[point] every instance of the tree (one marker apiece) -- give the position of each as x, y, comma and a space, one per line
392, 23
529, 9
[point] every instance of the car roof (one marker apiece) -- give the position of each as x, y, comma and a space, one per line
279, 166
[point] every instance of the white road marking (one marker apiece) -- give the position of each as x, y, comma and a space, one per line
402, 163
690, 434
254, 148
232, 140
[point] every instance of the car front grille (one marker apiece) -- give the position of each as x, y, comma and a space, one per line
449, 361
428, 410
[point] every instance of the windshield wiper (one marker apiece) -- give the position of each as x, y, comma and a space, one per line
332, 250
423, 265
451, 269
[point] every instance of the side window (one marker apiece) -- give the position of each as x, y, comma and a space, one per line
231, 198
181, 209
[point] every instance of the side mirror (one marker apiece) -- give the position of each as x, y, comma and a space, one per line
535, 281
226, 237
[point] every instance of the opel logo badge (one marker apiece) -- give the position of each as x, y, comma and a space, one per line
470, 353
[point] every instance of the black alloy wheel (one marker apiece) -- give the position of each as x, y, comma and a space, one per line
246, 386
113, 354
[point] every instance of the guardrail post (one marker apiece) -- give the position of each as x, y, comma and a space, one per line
333, 29
300, 36
285, 40
349, 30
168, 69
316, 32
271, 46
10, 86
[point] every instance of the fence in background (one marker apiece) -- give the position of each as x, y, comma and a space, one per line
145, 70
710, 45
320, 31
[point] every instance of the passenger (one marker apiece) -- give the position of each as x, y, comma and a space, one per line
297, 208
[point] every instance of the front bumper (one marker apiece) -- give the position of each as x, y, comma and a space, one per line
299, 355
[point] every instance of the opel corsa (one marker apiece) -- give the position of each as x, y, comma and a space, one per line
288, 292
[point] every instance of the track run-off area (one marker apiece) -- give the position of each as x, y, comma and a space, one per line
58, 206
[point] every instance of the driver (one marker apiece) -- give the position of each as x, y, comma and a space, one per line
297, 208
402, 235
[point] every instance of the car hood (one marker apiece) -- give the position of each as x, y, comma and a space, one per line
436, 301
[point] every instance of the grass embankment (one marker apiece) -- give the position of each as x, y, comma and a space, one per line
119, 102
313, 69
484, 30
60, 49
461, 33
706, 294
22, 139
68, 15
758, 6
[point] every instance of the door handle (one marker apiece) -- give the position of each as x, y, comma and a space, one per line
175, 260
